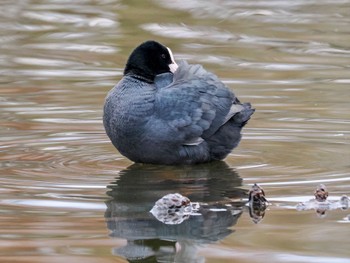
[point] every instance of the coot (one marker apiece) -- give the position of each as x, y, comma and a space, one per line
166, 113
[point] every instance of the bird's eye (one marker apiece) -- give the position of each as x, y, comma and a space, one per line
163, 56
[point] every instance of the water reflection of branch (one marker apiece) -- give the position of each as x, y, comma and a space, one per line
320, 203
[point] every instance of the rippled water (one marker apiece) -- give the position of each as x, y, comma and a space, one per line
67, 195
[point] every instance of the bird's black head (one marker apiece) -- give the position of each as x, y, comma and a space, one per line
150, 59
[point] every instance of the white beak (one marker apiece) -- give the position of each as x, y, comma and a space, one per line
173, 66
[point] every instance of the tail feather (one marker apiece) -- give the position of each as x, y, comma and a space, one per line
229, 135
242, 117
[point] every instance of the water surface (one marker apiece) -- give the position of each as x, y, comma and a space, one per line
67, 195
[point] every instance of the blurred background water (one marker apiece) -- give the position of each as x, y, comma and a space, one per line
67, 195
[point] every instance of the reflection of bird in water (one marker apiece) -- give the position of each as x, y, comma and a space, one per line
135, 191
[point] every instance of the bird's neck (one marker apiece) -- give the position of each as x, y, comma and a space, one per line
139, 77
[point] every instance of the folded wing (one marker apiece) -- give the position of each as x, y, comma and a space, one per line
195, 104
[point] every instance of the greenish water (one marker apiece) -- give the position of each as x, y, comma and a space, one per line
67, 195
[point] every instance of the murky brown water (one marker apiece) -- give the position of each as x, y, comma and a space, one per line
66, 195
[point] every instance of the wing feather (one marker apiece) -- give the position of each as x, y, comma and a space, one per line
195, 104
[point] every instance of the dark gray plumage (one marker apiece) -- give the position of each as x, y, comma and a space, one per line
164, 118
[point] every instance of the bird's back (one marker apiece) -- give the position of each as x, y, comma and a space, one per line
188, 117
